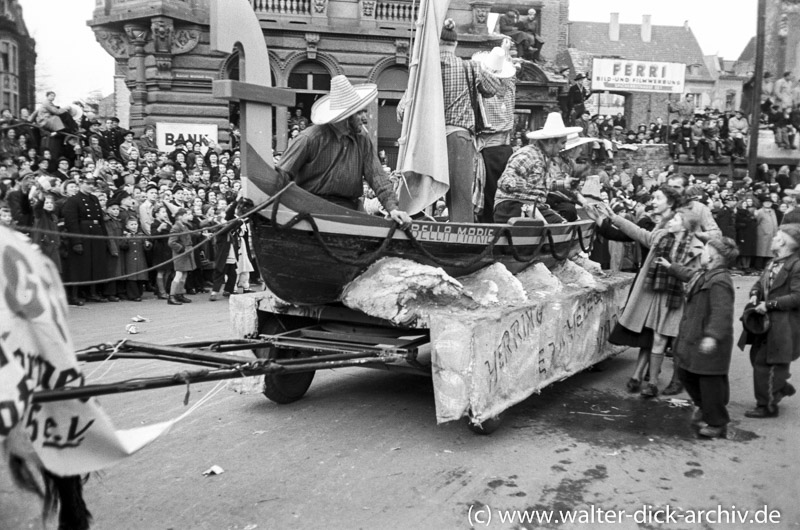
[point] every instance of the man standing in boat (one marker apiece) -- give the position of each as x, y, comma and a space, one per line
494, 141
462, 80
331, 157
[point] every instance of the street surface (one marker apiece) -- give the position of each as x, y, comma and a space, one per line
362, 450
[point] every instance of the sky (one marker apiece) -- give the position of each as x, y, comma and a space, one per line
69, 59
72, 63
722, 27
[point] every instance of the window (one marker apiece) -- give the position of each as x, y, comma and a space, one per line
9, 70
697, 98
310, 75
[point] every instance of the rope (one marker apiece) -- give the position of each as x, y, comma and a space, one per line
546, 238
229, 225
116, 349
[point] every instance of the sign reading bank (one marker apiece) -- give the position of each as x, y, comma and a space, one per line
169, 133
638, 76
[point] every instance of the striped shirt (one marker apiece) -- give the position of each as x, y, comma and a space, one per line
329, 160
527, 176
457, 76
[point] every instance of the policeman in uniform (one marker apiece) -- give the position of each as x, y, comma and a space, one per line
86, 260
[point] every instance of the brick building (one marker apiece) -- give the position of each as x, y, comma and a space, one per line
164, 59
643, 42
17, 60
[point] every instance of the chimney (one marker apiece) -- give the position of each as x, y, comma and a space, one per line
647, 29
686, 25
613, 28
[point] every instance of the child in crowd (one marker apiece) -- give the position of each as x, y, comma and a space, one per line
45, 218
133, 260
702, 349
5, 216
115, 229
181, 244
162, 254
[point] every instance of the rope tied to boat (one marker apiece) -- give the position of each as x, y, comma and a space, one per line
575, 231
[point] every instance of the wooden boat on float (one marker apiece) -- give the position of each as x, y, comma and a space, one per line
309, 249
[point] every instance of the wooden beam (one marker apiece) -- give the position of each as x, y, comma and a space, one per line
231, 90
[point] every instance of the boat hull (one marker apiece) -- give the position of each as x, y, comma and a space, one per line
304, 267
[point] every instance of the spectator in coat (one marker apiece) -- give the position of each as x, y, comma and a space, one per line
162, 253
702, 349
746, 230
133, 261
766, 227
181, 244
725, 217
777, 295
83, 215
147, 143
114, 228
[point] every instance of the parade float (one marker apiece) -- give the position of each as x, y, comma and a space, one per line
491, 312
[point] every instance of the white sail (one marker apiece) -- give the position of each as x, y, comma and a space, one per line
423, 143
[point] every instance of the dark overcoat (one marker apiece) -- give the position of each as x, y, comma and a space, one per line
83, 215
180, 242
162, 254
133, 260
783, 338
746, 232
708, 313
114, 261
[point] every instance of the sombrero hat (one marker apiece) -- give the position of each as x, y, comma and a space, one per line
343, 101
496, 62
553, 128
573, 141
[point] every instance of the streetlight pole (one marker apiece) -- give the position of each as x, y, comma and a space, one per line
761, 24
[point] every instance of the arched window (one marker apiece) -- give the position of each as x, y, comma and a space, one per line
310, 75
9, 75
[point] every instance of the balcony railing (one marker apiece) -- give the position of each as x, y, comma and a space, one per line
397, 12
282, 7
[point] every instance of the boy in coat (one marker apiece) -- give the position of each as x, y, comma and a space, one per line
776, 294
702, 349
134, 264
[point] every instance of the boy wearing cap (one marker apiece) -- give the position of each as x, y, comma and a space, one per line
703, 347
776, 294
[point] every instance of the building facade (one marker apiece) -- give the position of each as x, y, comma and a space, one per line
17, 60
163, 56
642, 42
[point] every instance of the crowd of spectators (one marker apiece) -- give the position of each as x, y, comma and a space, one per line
748, 211
62, 178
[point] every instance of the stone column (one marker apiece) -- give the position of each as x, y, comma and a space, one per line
162, 29
137, 36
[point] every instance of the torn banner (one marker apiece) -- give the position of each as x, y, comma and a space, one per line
36, 353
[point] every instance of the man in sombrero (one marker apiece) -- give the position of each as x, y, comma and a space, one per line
331, 157
530, 172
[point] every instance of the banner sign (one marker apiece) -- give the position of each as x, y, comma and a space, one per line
638, 76
168, 133
70, 437
485, 362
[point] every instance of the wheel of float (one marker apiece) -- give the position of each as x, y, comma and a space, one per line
282, 388
487, 427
